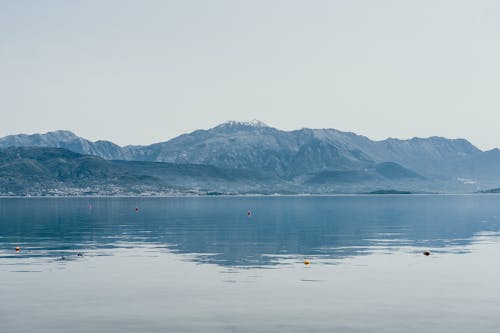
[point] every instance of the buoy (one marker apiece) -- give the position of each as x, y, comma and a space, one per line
136, 209
249, 213
307, 262
18, 249
79, 254
427, 253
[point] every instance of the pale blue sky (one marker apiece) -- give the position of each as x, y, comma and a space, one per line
138, 72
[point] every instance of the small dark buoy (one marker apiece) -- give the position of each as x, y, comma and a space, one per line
427, 253
79, 254
249, 213
18, 249
63, 258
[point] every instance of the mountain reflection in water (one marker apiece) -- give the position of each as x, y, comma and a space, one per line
218, 230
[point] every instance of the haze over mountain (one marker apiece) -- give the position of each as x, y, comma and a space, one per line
306, 160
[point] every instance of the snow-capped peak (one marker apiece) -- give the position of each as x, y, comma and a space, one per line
251, 123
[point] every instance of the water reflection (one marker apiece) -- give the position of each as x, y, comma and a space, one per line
219, 231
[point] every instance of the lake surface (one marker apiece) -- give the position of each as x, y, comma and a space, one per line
204, 265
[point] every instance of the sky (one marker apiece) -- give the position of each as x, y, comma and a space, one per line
138, 72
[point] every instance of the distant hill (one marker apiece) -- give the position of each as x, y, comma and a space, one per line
312, 159
53, 171
493, 190
70, 141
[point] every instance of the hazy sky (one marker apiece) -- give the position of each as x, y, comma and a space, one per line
138, 72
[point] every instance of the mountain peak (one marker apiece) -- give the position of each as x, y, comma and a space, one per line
251, 123
61, 134
37, 139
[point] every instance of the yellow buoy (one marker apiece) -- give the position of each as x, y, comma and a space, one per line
307, 262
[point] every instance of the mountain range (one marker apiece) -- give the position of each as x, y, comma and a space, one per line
251, 157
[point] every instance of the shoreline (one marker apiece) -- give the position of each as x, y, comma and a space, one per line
244, 195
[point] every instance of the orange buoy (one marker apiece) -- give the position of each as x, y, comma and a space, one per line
427, 253
18, 249
307, 262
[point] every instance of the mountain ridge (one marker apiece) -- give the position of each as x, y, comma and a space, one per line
254, 123
295, 155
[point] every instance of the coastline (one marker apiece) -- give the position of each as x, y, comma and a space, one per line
248, 195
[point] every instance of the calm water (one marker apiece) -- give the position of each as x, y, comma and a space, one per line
203, 265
